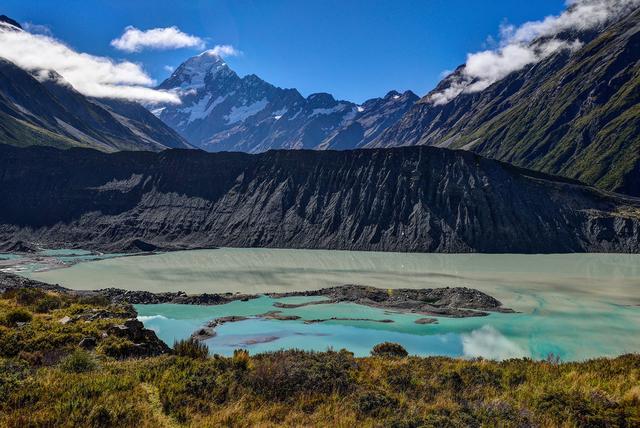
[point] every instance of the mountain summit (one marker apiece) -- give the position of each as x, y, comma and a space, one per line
222, 111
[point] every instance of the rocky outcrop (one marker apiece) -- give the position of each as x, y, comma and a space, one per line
408, 199
9, 281
456, 302
142, 342
179, 297
145, 342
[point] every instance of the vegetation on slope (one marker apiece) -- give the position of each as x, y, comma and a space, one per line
575, 115
46, 379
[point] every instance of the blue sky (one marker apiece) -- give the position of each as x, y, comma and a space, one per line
354, 49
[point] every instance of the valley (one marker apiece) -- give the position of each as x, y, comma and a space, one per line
351, 214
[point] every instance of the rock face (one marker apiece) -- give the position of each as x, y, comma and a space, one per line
420, 199
222, 111
146, 343
574, 114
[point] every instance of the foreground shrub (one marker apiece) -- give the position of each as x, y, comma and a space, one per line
117, 347
17, 315
375, 402
28, 296
47, 304
190, 348
196, 384
241, 359
283, 374
388, 349
12, 374
78, 362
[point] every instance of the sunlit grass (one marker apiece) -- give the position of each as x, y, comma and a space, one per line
46, 381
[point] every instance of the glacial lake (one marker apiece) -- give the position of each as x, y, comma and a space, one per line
575, 306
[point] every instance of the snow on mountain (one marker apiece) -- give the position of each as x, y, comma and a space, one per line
223, 111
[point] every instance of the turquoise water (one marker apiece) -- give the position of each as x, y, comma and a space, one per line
606, 331
576, 306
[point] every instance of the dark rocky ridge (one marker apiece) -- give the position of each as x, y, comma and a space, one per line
408, 199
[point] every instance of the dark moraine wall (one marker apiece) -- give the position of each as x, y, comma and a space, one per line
405, 199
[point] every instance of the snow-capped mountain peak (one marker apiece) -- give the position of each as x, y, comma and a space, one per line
196, 71
222, 111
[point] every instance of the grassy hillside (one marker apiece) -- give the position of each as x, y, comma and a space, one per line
47, 380
583, 122
573, 114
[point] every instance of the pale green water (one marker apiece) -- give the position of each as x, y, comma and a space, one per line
578, 305
48, 259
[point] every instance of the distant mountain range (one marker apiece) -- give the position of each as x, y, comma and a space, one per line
573, 114
221, 111
405, 199
49, 111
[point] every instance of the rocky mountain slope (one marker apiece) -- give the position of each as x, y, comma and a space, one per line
574, 114
407, 199
221, 111
49, 111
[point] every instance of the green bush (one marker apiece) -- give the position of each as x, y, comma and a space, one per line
78, 362
17, 315
117, 347
375, 402
12, 374
28, 296
10, 345
196, 384
388, 349
281, 375
47, 304
190, 348
94, 300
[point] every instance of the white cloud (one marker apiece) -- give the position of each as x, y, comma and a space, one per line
579, 15
169, 68
530, 43
36, 28
135, 40
223, 50
91, 75
489, 343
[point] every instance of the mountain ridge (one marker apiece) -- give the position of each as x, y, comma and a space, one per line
222, 111
51, 112
40, 107
416, 199
574, 114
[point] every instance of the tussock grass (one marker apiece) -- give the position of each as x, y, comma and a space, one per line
292, 388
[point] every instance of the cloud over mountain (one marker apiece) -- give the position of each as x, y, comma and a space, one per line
135, 40
92, 75
530, 43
